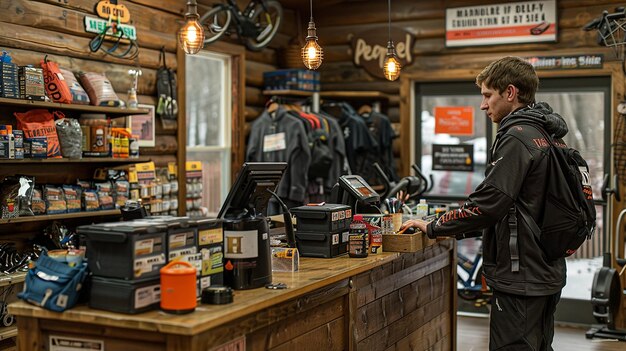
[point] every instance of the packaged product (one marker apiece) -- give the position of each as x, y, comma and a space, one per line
72, 198
90, 200
38, 123
38, 205
79, 95
55, 200
99, 89
105, 195
56, 87
70, 137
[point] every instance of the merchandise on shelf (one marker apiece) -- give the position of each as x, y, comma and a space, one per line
292, 79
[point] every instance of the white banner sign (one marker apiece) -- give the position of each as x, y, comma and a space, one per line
515, 22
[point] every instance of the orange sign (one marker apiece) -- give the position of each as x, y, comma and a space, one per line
455, 120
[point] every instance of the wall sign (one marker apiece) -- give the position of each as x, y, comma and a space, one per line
566, 62
514, 22
370, 47
454, 120
453, 157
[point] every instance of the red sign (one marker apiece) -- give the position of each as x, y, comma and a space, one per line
455, 120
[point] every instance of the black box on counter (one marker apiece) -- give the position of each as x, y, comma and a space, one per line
322, 244
125, 250
210, 247
322, 218
181, 238
125, 296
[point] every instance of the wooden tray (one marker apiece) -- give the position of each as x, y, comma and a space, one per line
403, 242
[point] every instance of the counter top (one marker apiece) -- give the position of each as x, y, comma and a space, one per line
314, 273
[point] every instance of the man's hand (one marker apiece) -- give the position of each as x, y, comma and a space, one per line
417, 223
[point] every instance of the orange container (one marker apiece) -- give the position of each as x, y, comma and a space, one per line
178, 287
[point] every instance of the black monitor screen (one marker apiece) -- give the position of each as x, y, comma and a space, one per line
250, 188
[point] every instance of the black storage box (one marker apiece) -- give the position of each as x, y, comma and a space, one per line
181, 238
125, 296
125, 250
328, 218
210, 247
322, 245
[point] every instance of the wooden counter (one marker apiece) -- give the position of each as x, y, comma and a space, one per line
397, 301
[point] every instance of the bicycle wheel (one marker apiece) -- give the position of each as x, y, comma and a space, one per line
215, 23
267, 21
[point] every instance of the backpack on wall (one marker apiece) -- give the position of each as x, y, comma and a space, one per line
570, 212
167, 107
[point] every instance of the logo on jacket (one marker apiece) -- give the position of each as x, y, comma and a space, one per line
496, 161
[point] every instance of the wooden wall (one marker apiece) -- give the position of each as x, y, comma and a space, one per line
30, 29
337, 23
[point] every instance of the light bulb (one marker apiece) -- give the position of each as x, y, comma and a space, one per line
312, 53
391, 66
191, 35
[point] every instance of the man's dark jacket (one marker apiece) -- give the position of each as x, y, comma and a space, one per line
515, 175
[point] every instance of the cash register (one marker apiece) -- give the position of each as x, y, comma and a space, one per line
247, 257
353, 190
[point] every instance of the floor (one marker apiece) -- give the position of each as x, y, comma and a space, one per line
473, 335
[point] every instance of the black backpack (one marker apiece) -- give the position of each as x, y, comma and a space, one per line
167, 107
570, 214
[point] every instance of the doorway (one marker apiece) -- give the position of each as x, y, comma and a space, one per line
585, 104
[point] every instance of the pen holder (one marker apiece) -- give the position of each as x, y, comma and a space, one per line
285, 259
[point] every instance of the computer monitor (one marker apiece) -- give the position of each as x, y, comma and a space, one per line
249, 192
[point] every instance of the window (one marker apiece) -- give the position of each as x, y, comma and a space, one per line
208, 105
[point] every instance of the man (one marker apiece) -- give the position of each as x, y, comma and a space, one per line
526, 286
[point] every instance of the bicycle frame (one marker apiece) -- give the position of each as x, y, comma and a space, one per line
245, 27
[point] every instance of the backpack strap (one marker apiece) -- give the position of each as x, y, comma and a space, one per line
513, 247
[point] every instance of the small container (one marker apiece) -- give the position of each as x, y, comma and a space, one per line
58, 255
178, 287
422, 209
217, 295
134, 146
358, 238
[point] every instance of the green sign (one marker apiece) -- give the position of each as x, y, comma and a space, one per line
97, 25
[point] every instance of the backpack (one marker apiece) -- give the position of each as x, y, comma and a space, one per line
570, 212
167, 107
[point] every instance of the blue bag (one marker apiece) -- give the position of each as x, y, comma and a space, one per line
53, 285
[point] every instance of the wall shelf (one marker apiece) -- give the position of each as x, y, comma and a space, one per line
355, 94
10, 279
84, 214
82, 160
8, 332
289, 92
119, 112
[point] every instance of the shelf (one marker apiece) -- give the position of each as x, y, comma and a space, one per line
10, 279
8, 332
355, 94
72, 107
289, 92
82, 160
61, 216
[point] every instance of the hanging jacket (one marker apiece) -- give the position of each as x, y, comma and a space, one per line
282, 139
382, 131
515, 175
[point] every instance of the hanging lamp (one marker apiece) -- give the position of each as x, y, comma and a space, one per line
392, 66
191, 35
312, 53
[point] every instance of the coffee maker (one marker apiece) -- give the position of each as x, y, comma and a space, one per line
247, 257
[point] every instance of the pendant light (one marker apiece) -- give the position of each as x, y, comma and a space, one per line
391, 67
191, 35
312, 53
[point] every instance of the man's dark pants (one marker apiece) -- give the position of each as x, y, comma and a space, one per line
522, 323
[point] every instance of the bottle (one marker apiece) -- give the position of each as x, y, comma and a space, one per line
376, 239
358, 239
422, 209
134, 146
